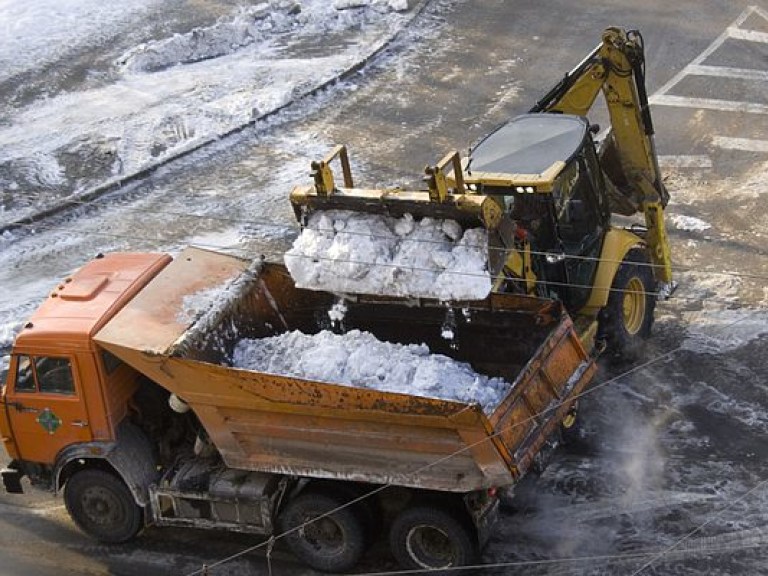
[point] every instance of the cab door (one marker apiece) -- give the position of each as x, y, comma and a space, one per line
44, 405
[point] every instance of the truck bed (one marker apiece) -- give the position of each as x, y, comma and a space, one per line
181, 329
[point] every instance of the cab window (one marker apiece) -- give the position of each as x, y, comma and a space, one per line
46, 374
25, 376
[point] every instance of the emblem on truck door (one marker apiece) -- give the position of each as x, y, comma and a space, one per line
49, 421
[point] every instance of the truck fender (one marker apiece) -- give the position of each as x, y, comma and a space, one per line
130, 457
616, 244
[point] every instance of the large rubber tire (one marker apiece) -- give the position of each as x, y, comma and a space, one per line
334, 543
102, 506
627, 318
430, 538
365, 508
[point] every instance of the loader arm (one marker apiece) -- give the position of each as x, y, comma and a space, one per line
616, 67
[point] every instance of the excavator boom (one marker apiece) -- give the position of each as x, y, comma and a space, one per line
616, 67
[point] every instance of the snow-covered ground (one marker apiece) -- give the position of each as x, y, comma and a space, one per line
165, 95
34, 34
356, 253
359, 359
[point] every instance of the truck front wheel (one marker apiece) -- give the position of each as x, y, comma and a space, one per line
102, 506
328, 542
430, 538
626, 320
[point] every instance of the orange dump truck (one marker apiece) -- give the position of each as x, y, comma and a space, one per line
121, 393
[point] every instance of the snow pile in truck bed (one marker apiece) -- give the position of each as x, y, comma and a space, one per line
359, 359
350, 252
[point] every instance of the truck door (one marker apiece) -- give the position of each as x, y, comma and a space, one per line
44, 407
583, 217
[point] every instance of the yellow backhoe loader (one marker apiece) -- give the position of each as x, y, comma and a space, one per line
546, 193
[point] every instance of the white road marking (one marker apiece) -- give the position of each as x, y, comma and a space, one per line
727, 72
696, 67
745, 144
709, 50
748, 35
709, 104
683, 161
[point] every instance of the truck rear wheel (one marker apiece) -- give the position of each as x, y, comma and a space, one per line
332, 543
627, 318
430, 538
102, 506
365, 508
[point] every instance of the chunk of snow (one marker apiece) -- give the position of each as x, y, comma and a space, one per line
201, 43
193, 305
398, 5
337, 312
689, 223
349, 252
349, 4
360, 360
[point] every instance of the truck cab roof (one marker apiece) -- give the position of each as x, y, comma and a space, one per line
82, 303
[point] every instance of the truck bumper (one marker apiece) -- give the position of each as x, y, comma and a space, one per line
12, 480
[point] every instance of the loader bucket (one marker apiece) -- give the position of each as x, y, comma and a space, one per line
445, 199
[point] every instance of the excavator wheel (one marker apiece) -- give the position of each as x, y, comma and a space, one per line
626, 321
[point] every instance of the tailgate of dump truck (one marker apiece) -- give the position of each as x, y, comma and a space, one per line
180, 331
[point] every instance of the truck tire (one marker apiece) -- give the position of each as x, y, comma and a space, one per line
626, 320
366, 508
102, 506
333, 543
430, 538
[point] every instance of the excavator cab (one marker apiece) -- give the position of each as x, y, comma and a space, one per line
543, 169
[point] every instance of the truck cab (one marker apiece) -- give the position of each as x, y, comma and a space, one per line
61, 389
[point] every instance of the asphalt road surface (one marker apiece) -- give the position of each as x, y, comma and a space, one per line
672, 450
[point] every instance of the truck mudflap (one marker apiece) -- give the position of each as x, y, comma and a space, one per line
285, 425
12, 478
486, 521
